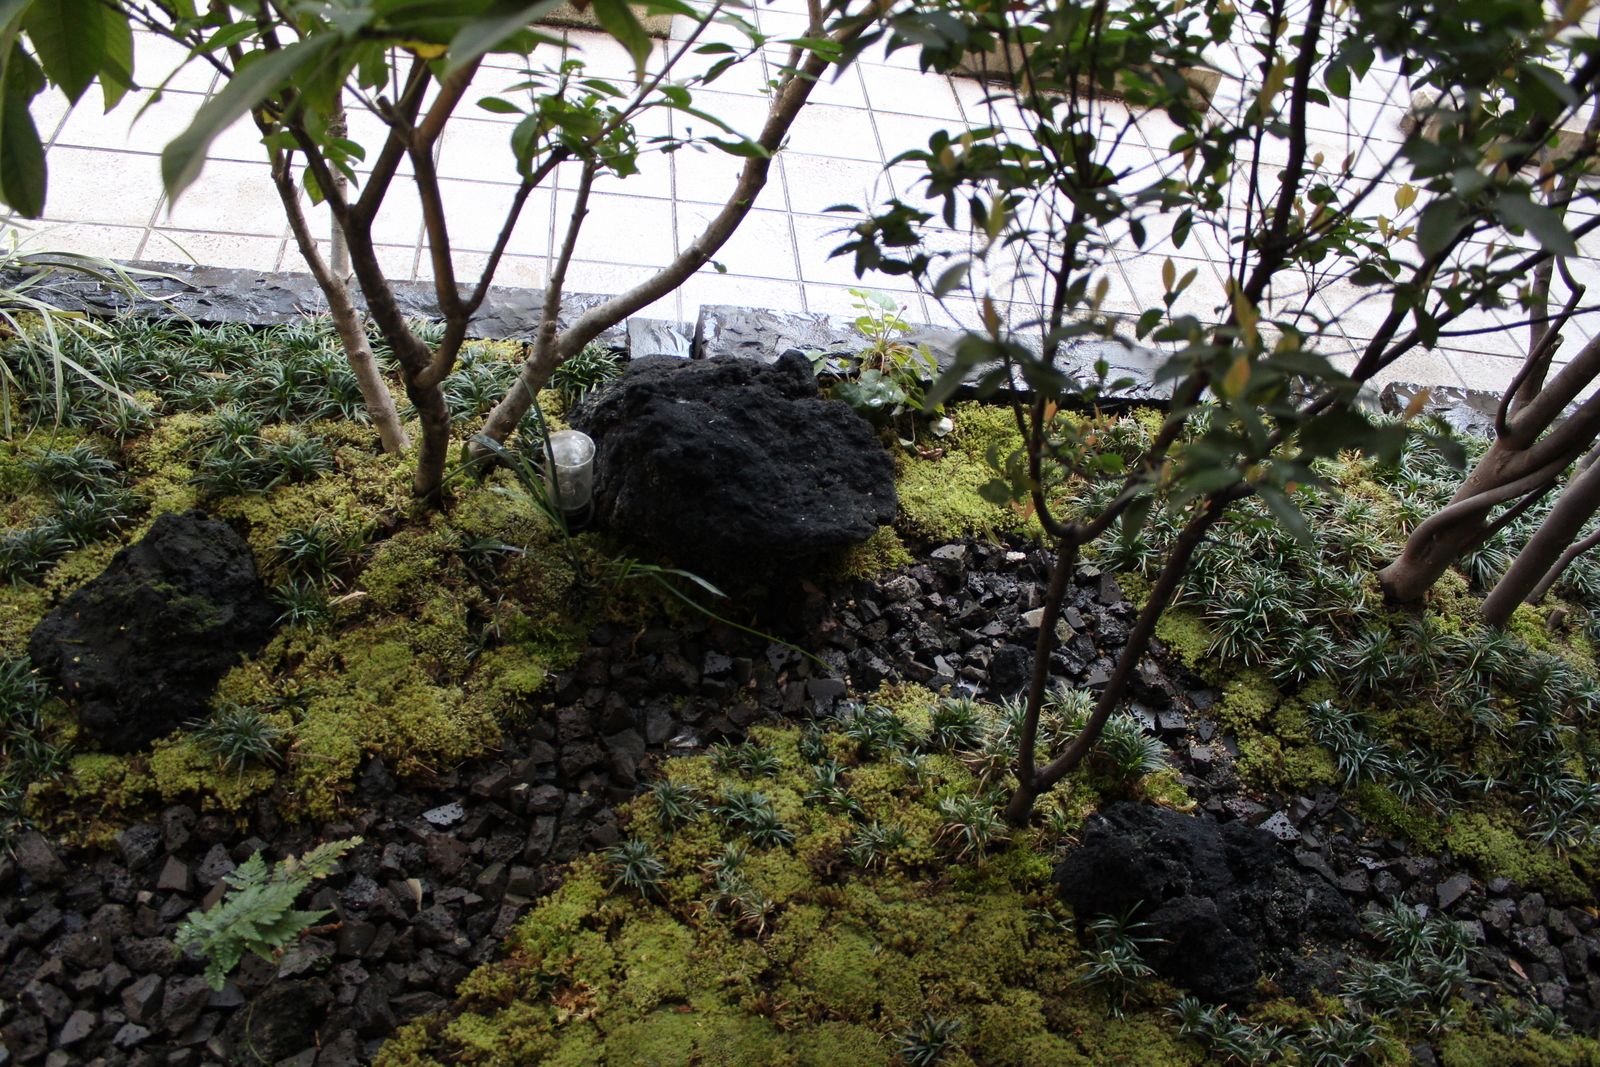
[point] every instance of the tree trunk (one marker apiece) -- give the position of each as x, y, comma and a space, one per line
1501, 475
346, 319
1554, 573
1040, 779
1539, 556
434, 416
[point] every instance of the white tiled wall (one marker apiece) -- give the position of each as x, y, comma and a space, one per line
105, 197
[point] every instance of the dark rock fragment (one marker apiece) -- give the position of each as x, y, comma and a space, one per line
140, 648
1223, 901
733, 468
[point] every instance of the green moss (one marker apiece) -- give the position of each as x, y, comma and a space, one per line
180, 768
878, 554
1247, 700
1385, 811
939, 499
1477, 1045
21, 608
982, 430
1531, 624
1492, 841
1186, 636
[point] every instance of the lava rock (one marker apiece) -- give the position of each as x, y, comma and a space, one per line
1221, 902
141, 647
280, 1022
732, 467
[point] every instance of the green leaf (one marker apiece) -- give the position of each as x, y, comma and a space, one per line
951, 279
491, 29
253, 82
1438, 225
1338, 80
72, 39
1278, 502
744, 149
1515, 208
618, 19
22, 167
498, 106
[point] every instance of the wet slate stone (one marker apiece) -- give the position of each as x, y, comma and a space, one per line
140, 648
654, 337
1223, 902
734, 469
263, 298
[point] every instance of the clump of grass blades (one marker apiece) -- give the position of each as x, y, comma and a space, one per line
303, 602
972, 824
1127, 751
240, 736
585, 372
676, 805
732, 895
635, 865
1427, 968
752, 813
315, 551
1116, 963
874, 845
748, 758
28, 551
929, 1040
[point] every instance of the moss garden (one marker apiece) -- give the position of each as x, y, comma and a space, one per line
585, 822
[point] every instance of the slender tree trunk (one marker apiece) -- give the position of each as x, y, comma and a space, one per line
1551, 576
1578, 504
1041, 779
346, 319
1502, 475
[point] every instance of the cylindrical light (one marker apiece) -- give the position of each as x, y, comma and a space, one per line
572, 468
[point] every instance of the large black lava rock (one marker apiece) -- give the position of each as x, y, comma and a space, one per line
732, 467
141, 648
1223, 901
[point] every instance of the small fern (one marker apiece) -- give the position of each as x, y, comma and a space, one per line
258, 913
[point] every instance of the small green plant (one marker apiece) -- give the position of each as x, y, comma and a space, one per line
303, 602
874, 845
675, 804
257, 914
1426, 970
1116, 963
585, 372
957, 724
752, 813
636, 866
28, 551
78, 467
1128, 751
928, 1040
972, 824
733, 896
889, 385
877, 731
239, 736
315, 551
302, 459
747, 758
83, 516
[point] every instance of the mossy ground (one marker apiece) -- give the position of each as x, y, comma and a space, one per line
436, 641
841, 960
